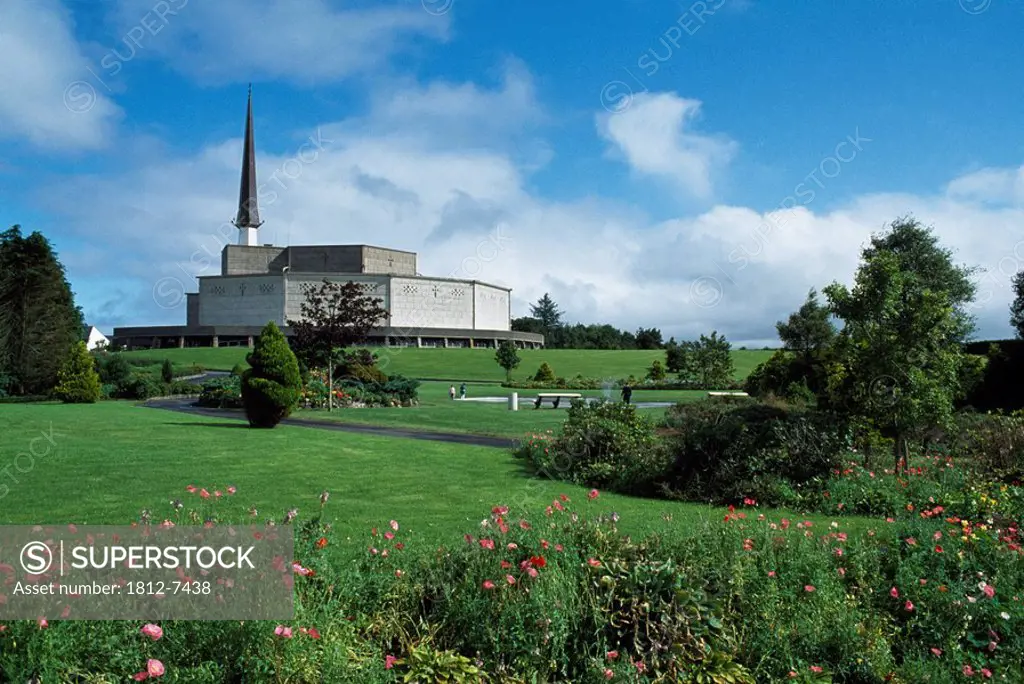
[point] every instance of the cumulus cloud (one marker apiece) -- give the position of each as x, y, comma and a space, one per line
301, 41
655, 136
469, 212
47, 95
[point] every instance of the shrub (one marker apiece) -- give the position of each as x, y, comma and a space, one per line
114, 369
725, 452
78, 382
271, 386
544, 373
167, 371
603, 444
221, 393
238, 369
359, 366
656, 372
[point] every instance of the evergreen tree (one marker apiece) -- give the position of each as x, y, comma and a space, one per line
167, 371
809, 329
507, 357
39, 322
1017, 306
78, 381
271, 386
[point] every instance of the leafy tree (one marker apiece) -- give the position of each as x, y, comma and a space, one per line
334, 316
167, 371
648, 338
528, 324
675, 357
545, 311
901, 359
712, 361
507, 357
917, 250
39, 322
114, 369
1017, 306
78, 381
271, 385
809, 329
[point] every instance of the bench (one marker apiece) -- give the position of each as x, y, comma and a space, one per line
728, 394
555, 398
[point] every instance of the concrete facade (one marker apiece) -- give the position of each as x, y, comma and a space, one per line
265, 283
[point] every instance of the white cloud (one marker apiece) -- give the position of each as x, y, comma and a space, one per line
303, 41
997, 186
654, 135
47, 95
734, 269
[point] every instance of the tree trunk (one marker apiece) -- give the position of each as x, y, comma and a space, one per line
901, 452
330, 383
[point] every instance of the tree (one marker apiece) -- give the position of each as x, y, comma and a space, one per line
712, 361
649, 338
39, 322
528, 324
544, 374
901, 358
334, 316
656, 372
548, 314
916, 250
78, 382
507, 357
271, 385
1017, 306
167, 371
809, 329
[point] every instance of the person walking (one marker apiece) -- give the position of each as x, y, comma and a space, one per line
451, 392
627, 393
462, 391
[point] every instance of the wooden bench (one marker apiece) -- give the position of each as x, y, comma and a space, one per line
555, 398
728, 394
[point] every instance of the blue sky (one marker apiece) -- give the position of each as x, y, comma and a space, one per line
636, 152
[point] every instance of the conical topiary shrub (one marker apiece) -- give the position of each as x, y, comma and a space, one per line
271, 386
78, 382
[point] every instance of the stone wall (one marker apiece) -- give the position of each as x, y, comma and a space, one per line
241, 300
379, 260
296, 293
246, 260
428, 303
491, 308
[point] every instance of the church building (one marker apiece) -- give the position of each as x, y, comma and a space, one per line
261, 283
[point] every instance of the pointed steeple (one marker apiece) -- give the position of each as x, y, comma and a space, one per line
248, 209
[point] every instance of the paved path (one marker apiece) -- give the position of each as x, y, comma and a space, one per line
185, 406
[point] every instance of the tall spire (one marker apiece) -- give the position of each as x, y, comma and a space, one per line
248, 219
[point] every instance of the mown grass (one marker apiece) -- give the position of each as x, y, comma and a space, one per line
109, 461
459, 365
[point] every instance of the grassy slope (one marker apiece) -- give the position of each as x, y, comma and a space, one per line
476, 365
437, 412
113, 459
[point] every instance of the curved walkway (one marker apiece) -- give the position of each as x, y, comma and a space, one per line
184, 405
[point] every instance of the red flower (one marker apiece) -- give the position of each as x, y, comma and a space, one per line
321, 542
538, 561
809, 588
593, 494
488, 584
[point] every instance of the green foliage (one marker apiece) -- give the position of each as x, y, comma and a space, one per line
78, 382
507, 357
724, 452
603, 444
222, 393
360, 366
808, 330
1017, 305
705, 363
139, 386
167, 371
544, 374
271, 386
648, 338
238, 369
547, 312
900, 347
39, 322
656, 373
114, 369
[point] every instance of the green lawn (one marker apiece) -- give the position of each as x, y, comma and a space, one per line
437, 412
113, 459
477, 365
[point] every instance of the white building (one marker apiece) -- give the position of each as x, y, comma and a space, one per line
95, 339
261, 283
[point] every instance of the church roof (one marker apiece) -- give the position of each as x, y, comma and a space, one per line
248, 209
